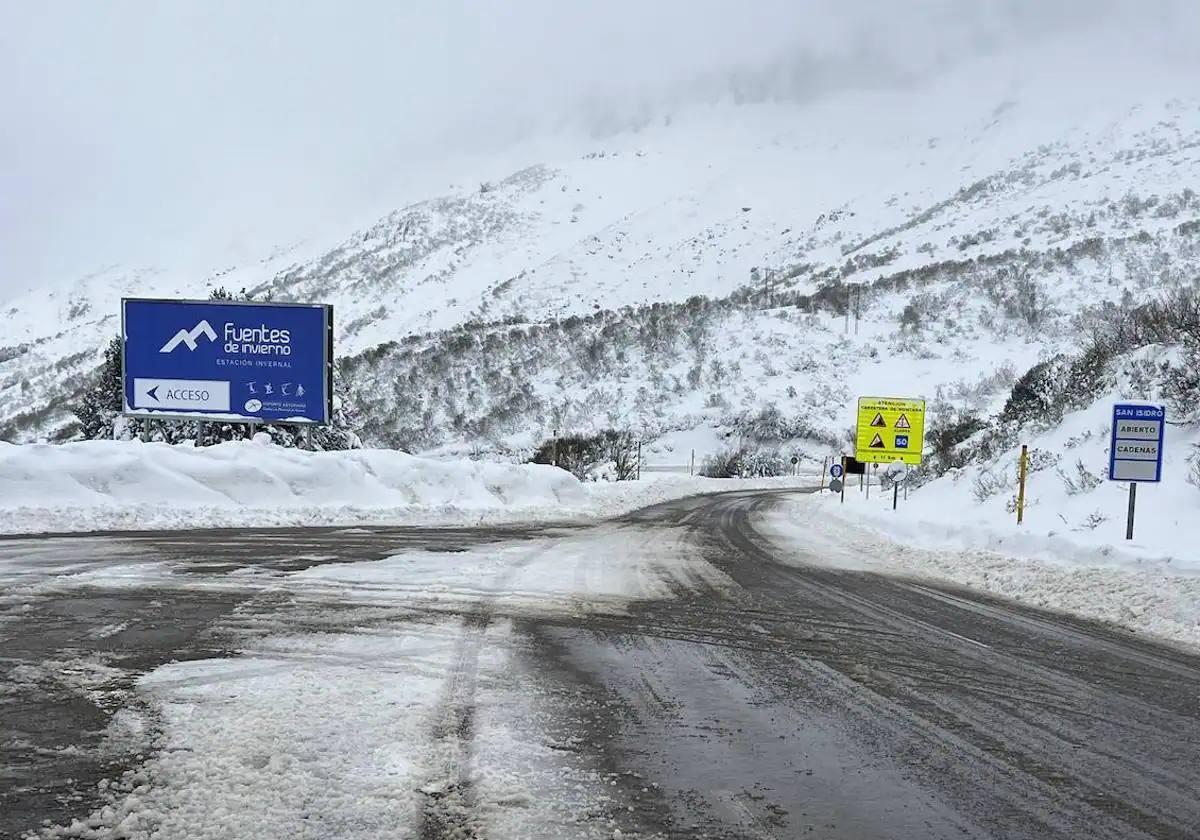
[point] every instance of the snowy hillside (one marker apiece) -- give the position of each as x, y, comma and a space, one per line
966, 221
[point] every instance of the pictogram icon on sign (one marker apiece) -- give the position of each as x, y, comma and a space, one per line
879, 422
876, 442
902, 422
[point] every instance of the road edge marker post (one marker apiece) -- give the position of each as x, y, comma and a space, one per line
824, 469
1022, 472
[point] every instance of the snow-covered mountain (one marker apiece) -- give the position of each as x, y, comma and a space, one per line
966, 221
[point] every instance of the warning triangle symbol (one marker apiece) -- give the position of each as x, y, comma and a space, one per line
877, 443
902, 422
879, 422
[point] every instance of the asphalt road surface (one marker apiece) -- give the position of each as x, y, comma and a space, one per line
800, 701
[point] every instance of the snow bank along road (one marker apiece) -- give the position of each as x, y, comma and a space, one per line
674, 673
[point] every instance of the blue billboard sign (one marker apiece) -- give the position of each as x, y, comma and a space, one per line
1136, 449
224, 360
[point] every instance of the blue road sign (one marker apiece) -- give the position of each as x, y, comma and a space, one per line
1137, 442
836, 471
208, 360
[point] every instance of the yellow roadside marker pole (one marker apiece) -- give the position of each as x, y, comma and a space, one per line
1022, 468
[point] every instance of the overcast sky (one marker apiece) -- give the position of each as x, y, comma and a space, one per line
134, 130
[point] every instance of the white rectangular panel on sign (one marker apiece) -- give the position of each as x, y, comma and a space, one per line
180, 395
1138, 429
1135, 471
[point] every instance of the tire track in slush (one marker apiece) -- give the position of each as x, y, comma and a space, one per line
448, 808
448, 803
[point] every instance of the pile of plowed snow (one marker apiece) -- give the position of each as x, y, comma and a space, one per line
104, 485
130, 485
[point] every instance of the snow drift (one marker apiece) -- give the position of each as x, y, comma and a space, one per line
100, 485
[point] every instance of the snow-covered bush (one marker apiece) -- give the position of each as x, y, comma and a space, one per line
770, 426
742, 462
950, 428
609, 455
1083, 481
988, 483
1193, 475
1181, 383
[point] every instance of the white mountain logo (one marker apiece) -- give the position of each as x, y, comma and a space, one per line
189, 337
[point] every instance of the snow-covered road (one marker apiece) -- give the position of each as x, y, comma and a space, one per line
691, 669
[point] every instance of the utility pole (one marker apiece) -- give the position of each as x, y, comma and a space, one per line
556, 447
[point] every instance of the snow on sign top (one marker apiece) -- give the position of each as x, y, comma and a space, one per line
890, 429
1136, 451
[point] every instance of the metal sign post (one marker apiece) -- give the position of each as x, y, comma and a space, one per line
843, 480
1136, 449
895, 494
1132, 508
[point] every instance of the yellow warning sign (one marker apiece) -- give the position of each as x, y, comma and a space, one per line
890, 429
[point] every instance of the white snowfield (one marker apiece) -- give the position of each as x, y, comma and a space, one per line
129, 485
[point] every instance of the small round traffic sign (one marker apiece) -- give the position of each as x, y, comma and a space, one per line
835, 486
836, 471
795, 460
